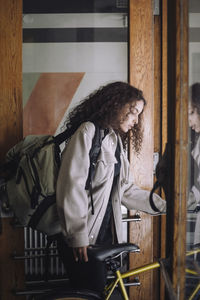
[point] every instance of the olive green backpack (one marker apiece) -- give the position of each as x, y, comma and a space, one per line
29, 190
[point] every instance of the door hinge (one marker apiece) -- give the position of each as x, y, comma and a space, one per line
156, 7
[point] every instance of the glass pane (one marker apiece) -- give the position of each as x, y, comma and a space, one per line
68, 54
70, 48
193, 216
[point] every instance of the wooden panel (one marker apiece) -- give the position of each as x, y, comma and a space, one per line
181, 148
164, 119
164, 75
11, 74
11, 273
178, 116
157, 141
160, 129
141, 76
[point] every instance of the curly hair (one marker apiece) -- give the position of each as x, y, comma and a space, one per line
103, 106
195, 96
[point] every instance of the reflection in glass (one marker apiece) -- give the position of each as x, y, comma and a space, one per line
193, 215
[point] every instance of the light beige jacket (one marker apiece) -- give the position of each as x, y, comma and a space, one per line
194, 195
194, 190
79, 226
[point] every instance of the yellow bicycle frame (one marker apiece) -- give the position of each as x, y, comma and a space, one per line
120, 276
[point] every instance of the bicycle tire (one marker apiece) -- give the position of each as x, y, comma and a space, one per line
72, 295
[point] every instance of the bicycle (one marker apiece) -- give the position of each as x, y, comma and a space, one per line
195, 272
109, 255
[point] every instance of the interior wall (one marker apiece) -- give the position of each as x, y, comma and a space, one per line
69, 50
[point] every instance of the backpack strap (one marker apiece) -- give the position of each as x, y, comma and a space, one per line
62, 137
40, 210
94, 153
162, 175
156, 185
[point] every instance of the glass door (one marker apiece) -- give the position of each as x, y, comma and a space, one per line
193, 209
70, 49
182, 226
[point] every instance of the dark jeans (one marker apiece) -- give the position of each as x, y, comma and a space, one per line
88, 275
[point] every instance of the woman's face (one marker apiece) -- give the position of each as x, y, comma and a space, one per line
194, 118
129, 115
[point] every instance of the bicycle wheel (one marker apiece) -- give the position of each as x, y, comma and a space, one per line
71, 295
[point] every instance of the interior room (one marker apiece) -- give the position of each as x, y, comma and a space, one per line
53, 55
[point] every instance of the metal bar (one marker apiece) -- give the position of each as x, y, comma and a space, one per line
57, 266
32, 256
31, 246
25, 245
191, 271
38, 249
197, 268
122, 287
135, 218
136, 282
192, 252
31, 292
141, 269
36, 252
194, 292
168, 283
43, 246
132, 284
51, 261
36, 282
111, 288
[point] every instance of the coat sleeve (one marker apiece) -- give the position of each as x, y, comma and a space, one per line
138, 199
72, 198
193, 198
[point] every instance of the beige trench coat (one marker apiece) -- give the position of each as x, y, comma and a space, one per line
79, 226
194, 195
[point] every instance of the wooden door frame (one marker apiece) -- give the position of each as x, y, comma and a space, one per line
141, 39
11, 125
11, 239
178, 139
173, 75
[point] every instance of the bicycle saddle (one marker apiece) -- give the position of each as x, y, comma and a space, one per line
102, 253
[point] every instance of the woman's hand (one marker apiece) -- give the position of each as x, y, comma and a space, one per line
80, 253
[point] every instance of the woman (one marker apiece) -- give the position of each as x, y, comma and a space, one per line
117, 108
194, 123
